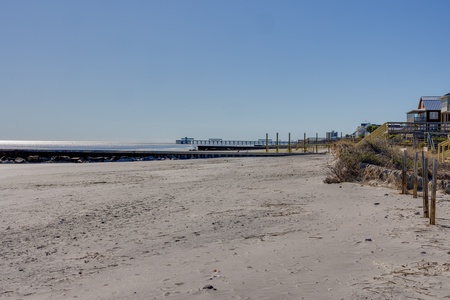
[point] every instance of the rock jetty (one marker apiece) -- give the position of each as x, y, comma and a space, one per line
72, 159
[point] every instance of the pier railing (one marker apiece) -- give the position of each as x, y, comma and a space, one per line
213, 142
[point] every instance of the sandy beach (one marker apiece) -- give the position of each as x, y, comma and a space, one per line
251, 228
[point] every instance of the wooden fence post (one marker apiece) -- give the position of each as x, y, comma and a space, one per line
425, 188
404, 179
304, 142
416, 157
433, 194
317, 143
277, 142
289, 143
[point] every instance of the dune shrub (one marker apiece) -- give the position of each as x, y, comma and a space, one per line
351, 159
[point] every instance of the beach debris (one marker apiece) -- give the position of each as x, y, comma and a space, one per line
376, 203
368, 240
386, 195
20, 160
209, 287
34, 159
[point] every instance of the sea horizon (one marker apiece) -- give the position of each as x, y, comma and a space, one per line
91, 145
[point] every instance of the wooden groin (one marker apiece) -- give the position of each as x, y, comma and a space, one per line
25, 156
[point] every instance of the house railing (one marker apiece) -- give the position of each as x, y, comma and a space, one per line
443, 150
420, 119
418, 127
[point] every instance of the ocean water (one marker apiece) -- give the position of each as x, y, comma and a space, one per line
91, 146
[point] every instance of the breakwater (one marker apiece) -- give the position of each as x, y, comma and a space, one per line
89, 156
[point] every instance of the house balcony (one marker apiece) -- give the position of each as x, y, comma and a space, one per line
420, 119
419, 128
412, 119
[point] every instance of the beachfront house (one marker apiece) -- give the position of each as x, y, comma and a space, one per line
428, 110
361, 130
445, 108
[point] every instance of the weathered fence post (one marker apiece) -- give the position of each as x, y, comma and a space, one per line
267, 142
304, 142
289, 143
416, 157
277, 142
317, 143
433, 194
404, 181
425, 188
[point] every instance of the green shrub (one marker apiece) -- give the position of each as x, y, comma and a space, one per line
372, 128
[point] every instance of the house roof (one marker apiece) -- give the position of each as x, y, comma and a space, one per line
430, 97
430, 103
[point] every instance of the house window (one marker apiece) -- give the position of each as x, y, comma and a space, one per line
434, 115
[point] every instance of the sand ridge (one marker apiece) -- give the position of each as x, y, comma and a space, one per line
251, 228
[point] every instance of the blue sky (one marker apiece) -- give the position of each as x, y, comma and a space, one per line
155, 71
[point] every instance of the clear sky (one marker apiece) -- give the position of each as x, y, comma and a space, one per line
155, 71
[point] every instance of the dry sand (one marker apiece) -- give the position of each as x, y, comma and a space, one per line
252, 228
